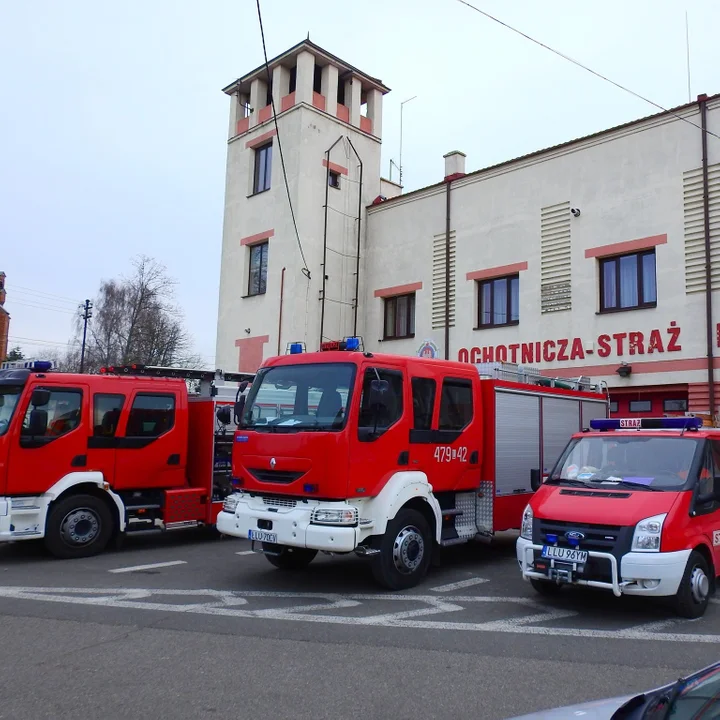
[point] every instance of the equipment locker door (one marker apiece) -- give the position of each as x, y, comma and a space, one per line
51, 442
517, 441
560, 419
152, 441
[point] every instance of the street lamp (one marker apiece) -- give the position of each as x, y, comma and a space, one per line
401, 132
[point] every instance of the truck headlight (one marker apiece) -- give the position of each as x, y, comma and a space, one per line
231, 502
334, 516
527, 523
648, 533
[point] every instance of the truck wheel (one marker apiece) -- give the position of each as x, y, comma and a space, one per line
693, 595
78, 526
288, 558
405, 551
546, 587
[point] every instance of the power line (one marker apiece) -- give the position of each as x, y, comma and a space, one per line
44, 307
42, 292
585, 67
38, 297
306, 270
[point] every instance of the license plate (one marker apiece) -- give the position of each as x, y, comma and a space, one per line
262, 536
565, 554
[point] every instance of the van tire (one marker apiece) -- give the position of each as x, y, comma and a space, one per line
405, 551
548, 588
288, 558
78, 526
693, 595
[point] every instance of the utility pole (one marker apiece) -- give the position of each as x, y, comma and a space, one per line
86, 315
402, 105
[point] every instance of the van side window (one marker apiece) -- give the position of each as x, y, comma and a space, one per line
456, 404
60, 416
706, 481
381, 419
151, 415
423, 395
106, 414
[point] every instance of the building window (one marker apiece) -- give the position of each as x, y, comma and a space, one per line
400, 317
498, 301
641, 406
613, 406
675, 405
263, 168
334, 179
257, 277
628, 282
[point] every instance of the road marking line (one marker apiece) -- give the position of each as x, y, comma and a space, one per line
459, 585
246, 552
148, 567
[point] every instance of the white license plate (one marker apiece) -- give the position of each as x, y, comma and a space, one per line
262, 536
565, 554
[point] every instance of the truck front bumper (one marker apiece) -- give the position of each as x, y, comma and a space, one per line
650, 574
288, 522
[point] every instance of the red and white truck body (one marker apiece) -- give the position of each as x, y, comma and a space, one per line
391, 457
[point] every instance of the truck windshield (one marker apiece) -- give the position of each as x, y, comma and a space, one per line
290, 398
9, 396
633, 461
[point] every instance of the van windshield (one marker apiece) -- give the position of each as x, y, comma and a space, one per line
634, 461
9, 396
290, 398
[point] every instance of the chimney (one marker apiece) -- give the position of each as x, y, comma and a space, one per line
454, 165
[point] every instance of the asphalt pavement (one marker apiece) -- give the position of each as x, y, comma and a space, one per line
183, 626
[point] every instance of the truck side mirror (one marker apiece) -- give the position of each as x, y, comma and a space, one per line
239, 407
40, 397
223, 414
38, 422
535, 479
378, 396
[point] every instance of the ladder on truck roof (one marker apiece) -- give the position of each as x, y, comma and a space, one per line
532, 376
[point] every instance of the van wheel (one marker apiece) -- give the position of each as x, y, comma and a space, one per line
693, 595
288, 558
546, 587
405, 551
78, 526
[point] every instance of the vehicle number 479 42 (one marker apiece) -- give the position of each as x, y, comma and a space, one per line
445, 453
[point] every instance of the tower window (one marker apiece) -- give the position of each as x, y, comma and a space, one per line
317, 79
263, 168
257, 277
334, 179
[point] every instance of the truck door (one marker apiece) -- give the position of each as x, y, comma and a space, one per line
102, 434
51, 440
705, 518
152, 442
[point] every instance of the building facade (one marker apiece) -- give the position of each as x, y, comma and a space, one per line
588, 258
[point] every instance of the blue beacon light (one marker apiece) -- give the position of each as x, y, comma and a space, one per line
663, 423
296, 348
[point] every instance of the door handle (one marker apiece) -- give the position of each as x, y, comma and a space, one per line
174, 459
79, 461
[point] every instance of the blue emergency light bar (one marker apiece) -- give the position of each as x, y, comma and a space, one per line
34, 365
663, 423
296, 348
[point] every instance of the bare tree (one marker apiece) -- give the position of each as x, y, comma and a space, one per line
135, 320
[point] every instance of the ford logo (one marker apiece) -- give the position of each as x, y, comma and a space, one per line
273, 463
575, 535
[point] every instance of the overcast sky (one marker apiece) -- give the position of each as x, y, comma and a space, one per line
113, 127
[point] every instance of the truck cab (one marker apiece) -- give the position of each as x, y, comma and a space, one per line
632, 506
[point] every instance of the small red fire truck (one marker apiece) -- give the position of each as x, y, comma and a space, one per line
632, 506
390, 457
84, 458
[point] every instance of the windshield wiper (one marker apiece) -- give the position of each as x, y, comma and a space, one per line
569, 481
629, 483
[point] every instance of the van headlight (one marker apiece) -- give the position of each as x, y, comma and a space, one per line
648, 533
334, 516
526, 526
231, 502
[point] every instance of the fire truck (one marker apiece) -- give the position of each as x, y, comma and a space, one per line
633, 507
88, 458
392, 457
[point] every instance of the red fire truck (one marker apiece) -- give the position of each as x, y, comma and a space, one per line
391, 457
633, 506
85, 458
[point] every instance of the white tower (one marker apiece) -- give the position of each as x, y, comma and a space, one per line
328, 124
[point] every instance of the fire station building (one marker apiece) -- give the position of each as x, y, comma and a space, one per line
588, 258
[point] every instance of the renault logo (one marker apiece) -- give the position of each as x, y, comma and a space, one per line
272, 463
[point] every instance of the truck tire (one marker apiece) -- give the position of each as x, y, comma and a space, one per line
288, 558
78, 526
546, 587
405, 551
693, 595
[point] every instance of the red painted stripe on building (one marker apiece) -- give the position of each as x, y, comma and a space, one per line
265, 113
343, 113
287, 102
243, 125
366, 124
497, 271
637, 367
626, 247
335, 168
319, 101
398, 290
258, 237
260, 139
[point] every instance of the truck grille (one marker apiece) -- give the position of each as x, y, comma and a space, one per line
284, 477
280, 502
